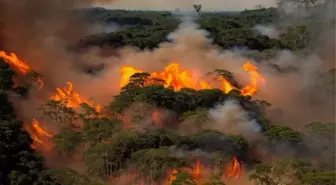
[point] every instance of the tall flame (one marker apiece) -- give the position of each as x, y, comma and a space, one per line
177, 78
196, 173
15, 62
233, 169
226, 85
72, 98
38, 129
20, 66
127, 72
255, 77
39, 135
172, 175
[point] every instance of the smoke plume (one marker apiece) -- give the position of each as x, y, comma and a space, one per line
40, 32
230, 118
269, 31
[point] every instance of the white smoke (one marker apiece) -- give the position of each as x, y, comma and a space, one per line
97, 28
230, 118
269, 31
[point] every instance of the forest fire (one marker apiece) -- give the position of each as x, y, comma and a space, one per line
15, 62
172, 175
176, 78
127, 72
196, 173
39, 135
233, 170
73, 98
203, 97
20, 66
255, 77
172, 76
67, 93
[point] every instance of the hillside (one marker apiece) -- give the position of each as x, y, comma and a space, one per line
160, 98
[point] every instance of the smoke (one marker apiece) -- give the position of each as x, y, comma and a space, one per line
300, 93
98, 28
30, 23
43, 46
180, 153
269, 31
193, 49
40, 31
231, 119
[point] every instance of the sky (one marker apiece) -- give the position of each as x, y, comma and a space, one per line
207, 5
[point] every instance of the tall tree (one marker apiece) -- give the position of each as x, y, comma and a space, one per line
19, 164
284, 172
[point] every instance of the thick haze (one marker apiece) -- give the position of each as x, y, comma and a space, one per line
222, 5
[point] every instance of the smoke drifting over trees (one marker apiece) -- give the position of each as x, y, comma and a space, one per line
207, 98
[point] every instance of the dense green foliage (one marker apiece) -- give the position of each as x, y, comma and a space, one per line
227, 30
19, 163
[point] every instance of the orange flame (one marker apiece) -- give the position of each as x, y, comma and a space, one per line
15, 62
172, 175
22, 67
255, 77
40, 82
73, 98
205, 85
176, 78
38, 129
233, 170
127, 72
196, 173
226, 86
39, 135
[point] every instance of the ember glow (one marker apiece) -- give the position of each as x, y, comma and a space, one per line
196, 173
39, 135
40, 82
233, 169
172, 176
175, 77
72, 98
20, 66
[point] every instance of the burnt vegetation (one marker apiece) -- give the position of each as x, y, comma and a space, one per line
111, 145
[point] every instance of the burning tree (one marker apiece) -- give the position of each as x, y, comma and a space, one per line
174, 77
